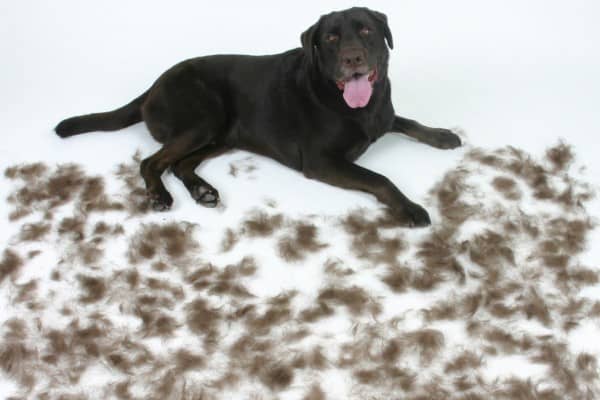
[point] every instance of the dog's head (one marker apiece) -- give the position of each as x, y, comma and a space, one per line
349, 49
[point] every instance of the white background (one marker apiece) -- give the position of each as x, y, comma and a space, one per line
504, 72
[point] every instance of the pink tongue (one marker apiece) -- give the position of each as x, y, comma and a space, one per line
357, 92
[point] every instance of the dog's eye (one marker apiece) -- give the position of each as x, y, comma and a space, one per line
365, 31
331, 38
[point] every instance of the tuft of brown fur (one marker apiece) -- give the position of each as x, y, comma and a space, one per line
335, 268
102, 228
587, 364
507, 187
226, 281
26, 172
467, 360
314, 359
33, 254
136, 199
367, 242
303, 240
245, 165
391, 351
276, 376
74, 227
552, 354
535, 307
438, 252
94, 288
64, 184
201, 318
173, 240
560, 156
427, 279
27, 292
261, 224
398, 278
515, 388
229, 240
428, 342
315, 393
580, 276
94, 198
156, 323
453, 209
569, 235
490, 248
276, 314
89, 252
355, 299
320, 310
15, 360
507, 342
10, 264
34, 231
369, 376
41, 190
536, 175
164, 285
186, 360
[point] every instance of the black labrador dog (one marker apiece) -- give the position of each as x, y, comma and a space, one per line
315, 109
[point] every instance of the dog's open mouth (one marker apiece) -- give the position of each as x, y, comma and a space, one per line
358, 88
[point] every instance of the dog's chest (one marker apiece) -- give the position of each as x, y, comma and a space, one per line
359, 136
355, 152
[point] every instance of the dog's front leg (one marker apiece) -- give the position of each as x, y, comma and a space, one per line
348, 175
436, 137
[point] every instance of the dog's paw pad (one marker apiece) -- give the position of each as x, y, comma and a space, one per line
208, 197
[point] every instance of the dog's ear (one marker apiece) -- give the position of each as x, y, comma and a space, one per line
309, 41
381, 19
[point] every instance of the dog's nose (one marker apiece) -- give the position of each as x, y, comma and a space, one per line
353, 57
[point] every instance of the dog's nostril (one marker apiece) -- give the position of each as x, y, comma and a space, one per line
353, 59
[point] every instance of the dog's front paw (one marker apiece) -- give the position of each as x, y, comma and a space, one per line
444, 139
415, 215
160, 201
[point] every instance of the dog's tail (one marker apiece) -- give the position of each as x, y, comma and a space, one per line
107, 121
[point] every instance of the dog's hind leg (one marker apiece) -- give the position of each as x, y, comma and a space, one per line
152, 167
199, 189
